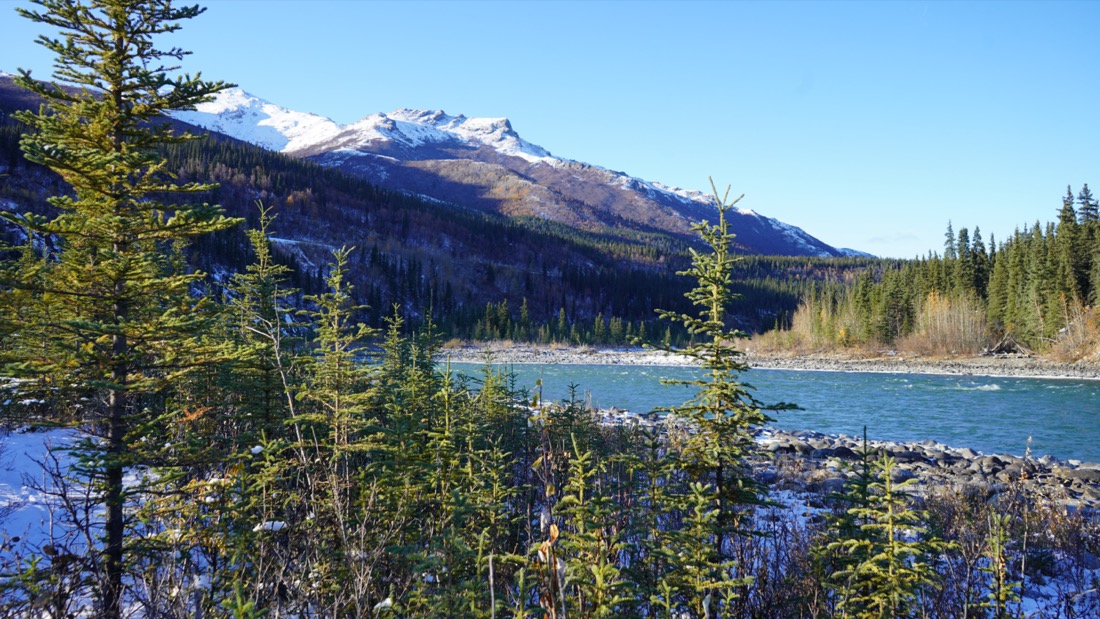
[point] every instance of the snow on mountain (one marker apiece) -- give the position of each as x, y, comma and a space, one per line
494, 132
416, 128
246, 117
691, 195
379, 137
794, 234
236, 113
854, 253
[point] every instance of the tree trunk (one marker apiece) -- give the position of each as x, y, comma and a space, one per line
116, 419
112, 591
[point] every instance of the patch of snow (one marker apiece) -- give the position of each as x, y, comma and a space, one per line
854, 253
257, 450
28, 509
686, 195
282, 241
271, 525
427, 198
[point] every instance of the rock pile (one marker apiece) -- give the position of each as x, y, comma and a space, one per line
827, 461
823, 462
886, 361
1016, 367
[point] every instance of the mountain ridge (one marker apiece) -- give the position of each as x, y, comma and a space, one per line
450, 257
485, 163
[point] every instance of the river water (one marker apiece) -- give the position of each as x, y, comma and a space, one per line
989, 414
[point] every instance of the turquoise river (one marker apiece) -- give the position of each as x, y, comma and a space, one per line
989, 414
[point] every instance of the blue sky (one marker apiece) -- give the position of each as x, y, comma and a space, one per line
868, 124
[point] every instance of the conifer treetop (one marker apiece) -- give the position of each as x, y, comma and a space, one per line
102, 116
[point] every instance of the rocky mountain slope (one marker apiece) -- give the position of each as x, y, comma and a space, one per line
484, 163
419, 252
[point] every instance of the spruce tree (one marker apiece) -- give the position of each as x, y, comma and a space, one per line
888, 561
1071, 262
1088, 245
259, 301
1002, 591
846, 539
964, 265
949, 251
127, 325
723, 412
1088, 209
591, 544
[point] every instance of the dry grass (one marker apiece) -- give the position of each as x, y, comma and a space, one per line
1080, 339
453, 343
947, 326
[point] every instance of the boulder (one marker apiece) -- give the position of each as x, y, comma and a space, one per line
767, 476
908, 456
833, 484
845, 453
899, 475
990, 464
1091, 476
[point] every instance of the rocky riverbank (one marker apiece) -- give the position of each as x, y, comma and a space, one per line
886, 362
818, 463
815, 461
1019, 367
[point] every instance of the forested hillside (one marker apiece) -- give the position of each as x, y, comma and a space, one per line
421, 254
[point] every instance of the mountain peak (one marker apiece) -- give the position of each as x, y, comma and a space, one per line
231, 100
426, 117
420, 126
486, 160
237, 113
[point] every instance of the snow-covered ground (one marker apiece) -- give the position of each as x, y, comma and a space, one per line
24, 506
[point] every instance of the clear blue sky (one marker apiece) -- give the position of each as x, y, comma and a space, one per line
868, 124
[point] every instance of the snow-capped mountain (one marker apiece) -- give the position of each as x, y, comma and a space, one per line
250, 119
413, 129
484, 163
236, 113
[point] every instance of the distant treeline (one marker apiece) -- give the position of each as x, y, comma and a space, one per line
1032, 289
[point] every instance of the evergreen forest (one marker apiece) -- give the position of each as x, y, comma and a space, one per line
1034, 292
260, 429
